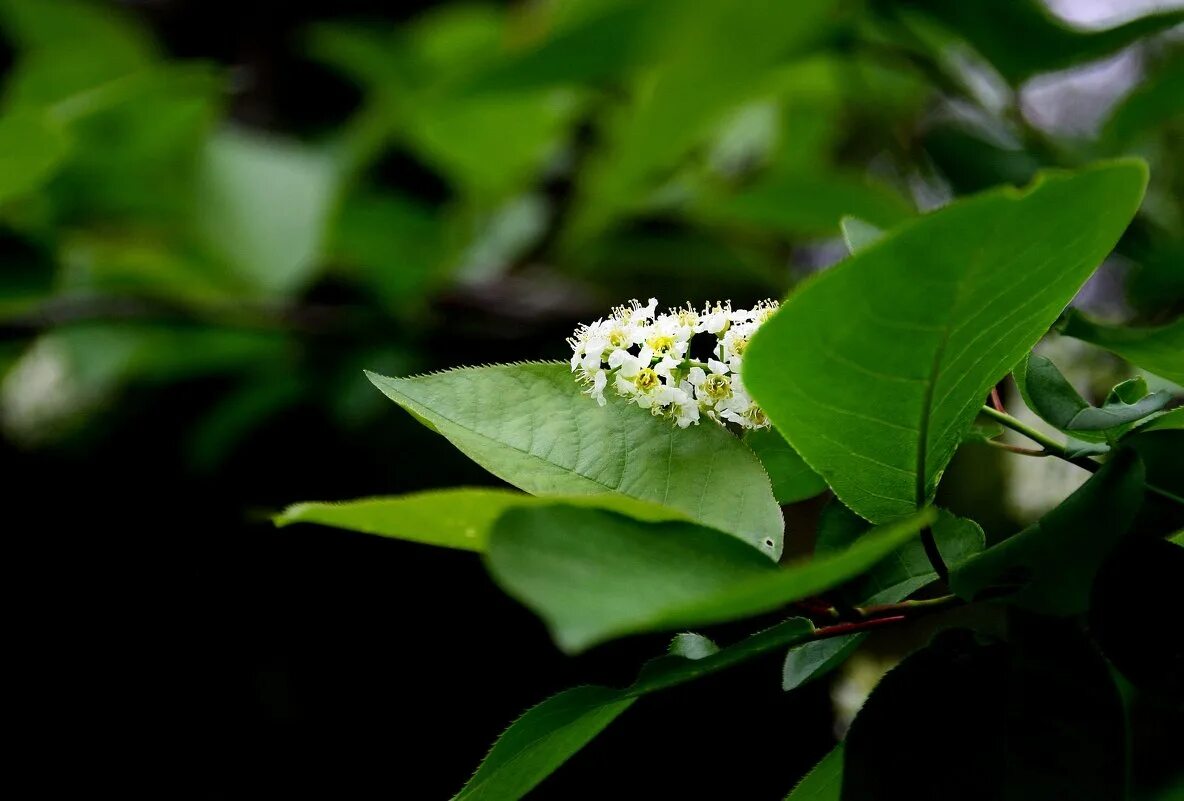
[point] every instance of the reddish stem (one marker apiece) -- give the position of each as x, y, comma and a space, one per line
996, 401
858, 625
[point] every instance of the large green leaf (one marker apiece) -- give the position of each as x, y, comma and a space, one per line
1050, 395
792, 478
875, 369
1028, 720
1053, 562
530, 425
546, 736
593, 575
824, 782
1158, 349
451, 518
891, 580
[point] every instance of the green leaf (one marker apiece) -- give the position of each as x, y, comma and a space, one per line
1032, 719
546, 736
890, 581
594, 576
1049, 394
824, 782
1159, 349
1022, 37
1168, 421
451, 518
263, 208
875, 369
32, 146
1053, 561
859, 234
792, 478
542, 740
531, 426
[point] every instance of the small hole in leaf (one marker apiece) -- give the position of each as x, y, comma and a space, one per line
768, 543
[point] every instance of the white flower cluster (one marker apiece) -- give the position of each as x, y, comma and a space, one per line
645, 356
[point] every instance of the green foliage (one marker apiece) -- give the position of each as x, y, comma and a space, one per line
934, 314
824, 782
1159, 349
484, 176
1050, 395
1021, 38
262, 208
32, 146
792, 478
891, 580
548, 734
594, 576
1087, 525
1070, 707
530, 425
451, 518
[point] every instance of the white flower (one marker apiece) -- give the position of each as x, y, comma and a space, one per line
714, 319
644, 356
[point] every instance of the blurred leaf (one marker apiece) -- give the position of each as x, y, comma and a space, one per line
1047, 393
594, 576
1159, 349
256, 401
1153, 102
1052, 562
451, 518
487, 146
1036, 719
32, 146
890, 581
1022, 37
677, 104
393, 244
263, 206
808, 203
606, 41
532, 426
68, 46
824, 782
140, 263
792, 478
859, 234
874, 370
550, 733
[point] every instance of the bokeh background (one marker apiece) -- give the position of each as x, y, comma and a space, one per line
214, 215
